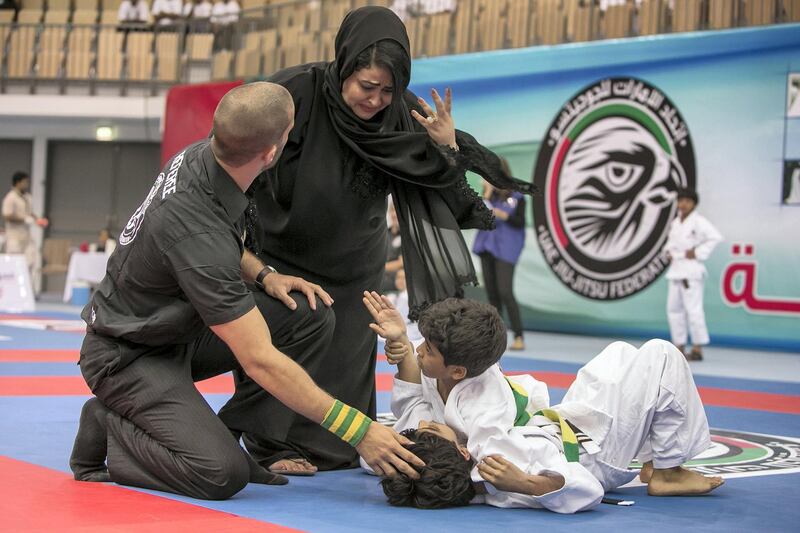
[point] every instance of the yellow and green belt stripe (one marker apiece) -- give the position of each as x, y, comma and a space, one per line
347, 423
568, 437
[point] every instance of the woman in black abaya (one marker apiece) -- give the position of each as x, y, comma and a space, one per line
359, 135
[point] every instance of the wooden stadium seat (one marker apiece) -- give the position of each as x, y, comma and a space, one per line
415, 27
333, 13
109, 54
20, 51
687, 15
250, 8
617, 21
6, 16
549, 20
51, 45
84, 16
199, 46
109, 16
583, 20
31, 4
139, 52
791, 10
83, 5
59, 5
758, 12
462, 22
437, 41
520, 28
269, 51
722, 14
79, 56
112, 5
168, 55
326, 40
56, 17
30, 16
55, 256
652, 16
490, 33
221, 65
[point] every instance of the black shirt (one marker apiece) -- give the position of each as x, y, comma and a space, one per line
176, 269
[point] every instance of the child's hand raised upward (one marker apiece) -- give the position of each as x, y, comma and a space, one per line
388, 322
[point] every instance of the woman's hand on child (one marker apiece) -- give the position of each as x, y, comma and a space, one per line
388, 322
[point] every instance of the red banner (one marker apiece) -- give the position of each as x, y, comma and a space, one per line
189, 114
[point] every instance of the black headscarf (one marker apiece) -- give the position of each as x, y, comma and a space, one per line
427, 182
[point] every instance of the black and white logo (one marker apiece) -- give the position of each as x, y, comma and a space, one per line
608, 170
133, 225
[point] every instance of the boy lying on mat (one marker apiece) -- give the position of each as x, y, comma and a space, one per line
488, 438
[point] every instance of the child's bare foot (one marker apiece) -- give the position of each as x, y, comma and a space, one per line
646, 472
680, 482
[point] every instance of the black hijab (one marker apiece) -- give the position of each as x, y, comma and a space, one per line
427, 182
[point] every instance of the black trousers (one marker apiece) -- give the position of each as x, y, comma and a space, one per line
344, 366
498, 277
162, 434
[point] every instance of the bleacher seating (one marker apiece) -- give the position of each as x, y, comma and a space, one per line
56, 40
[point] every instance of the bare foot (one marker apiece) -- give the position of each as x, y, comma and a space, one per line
679, 481
646, 472
295, 466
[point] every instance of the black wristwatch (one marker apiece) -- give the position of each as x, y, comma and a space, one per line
259, 281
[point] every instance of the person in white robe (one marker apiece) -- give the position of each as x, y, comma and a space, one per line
689, 244
625, 403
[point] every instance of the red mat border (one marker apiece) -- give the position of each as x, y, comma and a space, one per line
53, 501
76, 386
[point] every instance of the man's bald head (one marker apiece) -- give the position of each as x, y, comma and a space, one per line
249, 120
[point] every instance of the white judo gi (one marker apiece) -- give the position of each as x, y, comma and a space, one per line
686, 277
631, 402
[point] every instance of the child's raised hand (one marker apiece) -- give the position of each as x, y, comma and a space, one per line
388, 322
396, 351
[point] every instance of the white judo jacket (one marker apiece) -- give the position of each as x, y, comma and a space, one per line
694, 232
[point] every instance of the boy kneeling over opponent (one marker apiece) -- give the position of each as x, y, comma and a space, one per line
489, 438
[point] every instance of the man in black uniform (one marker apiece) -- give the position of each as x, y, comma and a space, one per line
174, 309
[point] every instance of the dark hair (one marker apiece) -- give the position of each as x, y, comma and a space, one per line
19, 176
390, 55
467, 332
690, 194
444, 481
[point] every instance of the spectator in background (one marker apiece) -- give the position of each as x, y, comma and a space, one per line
133, 13
19, 218
415, 8
198, 15
394, 254
106, 242
691, 240
499, 250
167, 12
223, 16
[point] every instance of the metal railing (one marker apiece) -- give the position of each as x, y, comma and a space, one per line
267, 38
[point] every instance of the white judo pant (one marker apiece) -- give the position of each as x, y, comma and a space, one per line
685, 308
656, 409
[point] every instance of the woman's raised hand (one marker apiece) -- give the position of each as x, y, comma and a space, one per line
439, 123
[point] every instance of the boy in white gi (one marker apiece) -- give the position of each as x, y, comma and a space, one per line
627, 403
691, 240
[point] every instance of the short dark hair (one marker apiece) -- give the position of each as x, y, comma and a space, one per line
248, 120
467, 332
691, 194
19, 176
444, 481
390, 55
